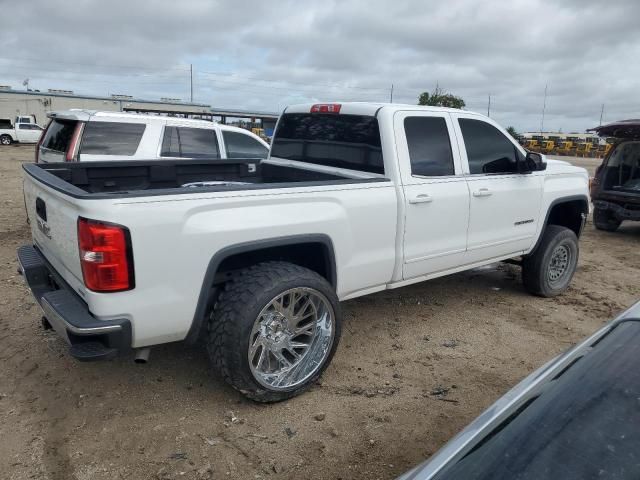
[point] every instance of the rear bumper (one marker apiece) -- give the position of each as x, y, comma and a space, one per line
618, 211
88, 338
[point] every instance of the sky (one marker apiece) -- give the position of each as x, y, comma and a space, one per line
264, 55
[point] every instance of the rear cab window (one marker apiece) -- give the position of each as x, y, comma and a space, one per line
334, 140
111, 138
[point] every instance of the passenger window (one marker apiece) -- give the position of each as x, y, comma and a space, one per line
111, 138
170, 144
240, 145
429, 146
24, 126
190, 143
488, 149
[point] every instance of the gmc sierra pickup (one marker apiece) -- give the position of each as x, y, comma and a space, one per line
354, 198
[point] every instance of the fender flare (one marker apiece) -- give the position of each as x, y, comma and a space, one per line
199, 319
559, 201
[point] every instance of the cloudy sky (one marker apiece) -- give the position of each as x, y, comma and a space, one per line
267, 54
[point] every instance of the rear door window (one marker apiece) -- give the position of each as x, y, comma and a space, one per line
240, 145
190, 143
59, 135
335, 140
111, 138
429, 146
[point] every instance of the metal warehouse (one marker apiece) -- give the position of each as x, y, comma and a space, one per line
39, 103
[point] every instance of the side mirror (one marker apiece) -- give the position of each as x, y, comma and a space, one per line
533, 162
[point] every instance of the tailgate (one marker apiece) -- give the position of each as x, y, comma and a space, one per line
53, 218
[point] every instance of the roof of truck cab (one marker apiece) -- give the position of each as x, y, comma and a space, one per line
367, 108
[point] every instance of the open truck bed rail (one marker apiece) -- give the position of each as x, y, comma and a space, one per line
142, 178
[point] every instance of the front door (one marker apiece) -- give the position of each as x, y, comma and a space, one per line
436, 193
28, 133
504, 204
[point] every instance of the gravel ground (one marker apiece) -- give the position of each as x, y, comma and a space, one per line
414, 366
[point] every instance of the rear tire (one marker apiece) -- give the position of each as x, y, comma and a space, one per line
604, 220
5, 140
262, 339
549, 270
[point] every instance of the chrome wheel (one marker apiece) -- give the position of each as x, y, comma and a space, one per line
5, 140
559, 264
291, 338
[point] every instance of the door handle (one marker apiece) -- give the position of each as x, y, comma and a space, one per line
483, 192
422, 198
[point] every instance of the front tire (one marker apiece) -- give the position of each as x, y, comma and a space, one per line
273, 330
603, 220
549, 270
5, 140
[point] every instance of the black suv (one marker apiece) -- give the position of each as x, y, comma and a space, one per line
615, 189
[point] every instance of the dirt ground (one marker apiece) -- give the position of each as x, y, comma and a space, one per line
414, 366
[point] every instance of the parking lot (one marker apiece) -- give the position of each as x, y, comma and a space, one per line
414, 366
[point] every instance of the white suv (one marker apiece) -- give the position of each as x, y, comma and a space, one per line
87, 135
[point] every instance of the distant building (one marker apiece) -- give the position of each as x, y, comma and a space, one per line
39, 103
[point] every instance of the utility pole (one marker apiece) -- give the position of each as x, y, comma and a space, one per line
489, 107
544, 107
601, 114
191, 78
391, 95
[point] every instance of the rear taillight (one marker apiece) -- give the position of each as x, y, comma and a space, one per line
105, 256
326, 108
74, 143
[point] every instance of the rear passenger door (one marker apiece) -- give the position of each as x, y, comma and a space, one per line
436, 193
505, 204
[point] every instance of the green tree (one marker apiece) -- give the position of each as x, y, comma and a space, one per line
440, 98
513, 132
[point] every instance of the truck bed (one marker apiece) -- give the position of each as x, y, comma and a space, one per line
165, 177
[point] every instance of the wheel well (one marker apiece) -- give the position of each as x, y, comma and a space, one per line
568, 214
315, 256
314, 252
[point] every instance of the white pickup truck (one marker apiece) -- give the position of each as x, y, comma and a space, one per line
20, 133
354, 198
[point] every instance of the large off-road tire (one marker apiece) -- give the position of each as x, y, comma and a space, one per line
549, 270
273, 330
604, 220
5, 140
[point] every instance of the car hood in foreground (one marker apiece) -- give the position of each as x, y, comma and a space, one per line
576, 417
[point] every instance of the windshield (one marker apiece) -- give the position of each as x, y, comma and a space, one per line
343, 141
